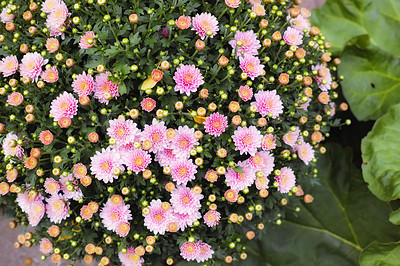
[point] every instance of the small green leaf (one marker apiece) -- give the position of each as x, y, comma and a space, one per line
122, 88
381, 254
134, 39
395, 217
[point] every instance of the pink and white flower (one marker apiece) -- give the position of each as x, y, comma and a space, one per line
9, 65
50, 75
292, 37
245, 93
262, 161
188, 79
205, 252
190, 251
105, 89
286, 180
305, 152
183, 171
114, 214
157, 134
76, 193
52, 186
183, 142
36, 212
84, 42
185, 201
65, 105
158, 218
242, 179
165, 157
211, 218
268, 142
268, 102
247, 140
31, 65
83, 84
300, 23
57, 208
4, 16
203, 23
291, 138
327, 77
249, 43
123, 131
105, 165
130, 258
137, 160
251, 66
216, 124
10, 146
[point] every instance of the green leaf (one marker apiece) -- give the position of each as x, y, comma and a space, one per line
395, 217
343, 219
381, 167
372, 81
122, 88
134, 39
381, 254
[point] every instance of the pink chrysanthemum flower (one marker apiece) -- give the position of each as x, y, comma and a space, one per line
184, 141
86, 213
123, 229
190, 251
57, 208
242, 179
211, 218
258, 9
327, 77
247, 140
9, 65
232, 3
15, 98
25, 201
52, 186
292, 37
268, 102
84, 42
183, 22
75, 194
188, 79
130, 258
137, 160
65, 105
36, 212
83, 84
305, 152
291, 137
31, 65
106, 164
157, 134
123, 131
268, 142
158, 218
216, 124
205, 24
262, 183
300, 23
50, 5
104, 89
46, 137
186, 220
165, 157
148, 104
205, 252
50, 75
185, 201
251, 66
249, 43
113, 214
80, 170
10, 146
262, 161
245, 93
57, 17
5, 17
183, 171
286, 180
52, 45
45, 246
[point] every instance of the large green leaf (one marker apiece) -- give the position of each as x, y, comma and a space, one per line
343, 219
381, 157
387, 254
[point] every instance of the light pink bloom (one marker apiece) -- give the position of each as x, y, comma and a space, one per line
292, 37
137, 160
104, 89
25, 201
58, 15
10, 146
268, 102
268, 142
242, 179
205, 252
83, 84
57, 208
52, 186
148, 104
211, 218
9, 65
112, 215
327, 78
157, 219
130, 258
6, 17
232, 3
123, 229
50, 5
216, 124
204, 22
247, 140
291, 137
123, 131
332, 108
185, 201
183, 22
52, 45
251, 66
300, 23
15, 98
245, 93
36, 212
190, 251
50, 75
258, 9
31, 65
165, 157
183, 171
262, 161
185, 220
262, 183
188, 79
105, 164
305, 152
157, 134
45, 246
250, 43
183, 142
286, 180
76, 194
84, 41
65, 105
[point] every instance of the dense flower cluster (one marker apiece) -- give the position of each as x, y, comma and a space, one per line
137, 130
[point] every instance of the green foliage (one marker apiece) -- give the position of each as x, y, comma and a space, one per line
387, 254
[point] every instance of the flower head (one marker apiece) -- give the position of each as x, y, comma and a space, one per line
262, 161
45, 246
137, 160
10, 146
105, 89
104, 165
245, 93
184, 141
15, 98
268, 142
50, 75
268, 102
183, 171
87, 40
4, 16
148, 104
83, 84
188, 79
190, 251
157, 134
76, 193
9, 65
130, 258
158, 218
123, 131
57, 208
185, 201
165, 157
36, 212
305, 152
114, 214
247, 140
31, 65
216, 124
52, 186
52, 45
291, 137
205, 252
46, 137
232, 3
251, 66
211, 218
205, 24
286, 180
183, 22
292, 37
241, 179
249, 43
65, 105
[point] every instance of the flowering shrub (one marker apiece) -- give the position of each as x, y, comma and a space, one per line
159, 130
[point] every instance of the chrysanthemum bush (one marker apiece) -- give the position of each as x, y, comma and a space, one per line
148, 131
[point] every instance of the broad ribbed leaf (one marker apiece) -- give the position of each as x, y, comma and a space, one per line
377, 253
